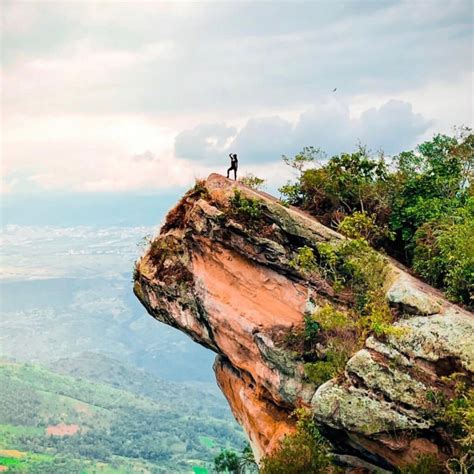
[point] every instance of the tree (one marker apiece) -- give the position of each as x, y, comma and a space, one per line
227, 461
417, 209
429, 183
252, 181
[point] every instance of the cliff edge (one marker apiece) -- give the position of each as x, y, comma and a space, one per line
227, 269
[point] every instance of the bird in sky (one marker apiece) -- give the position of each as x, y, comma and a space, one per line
335, 89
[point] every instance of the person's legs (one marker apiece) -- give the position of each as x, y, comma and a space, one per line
235, 174
228, 171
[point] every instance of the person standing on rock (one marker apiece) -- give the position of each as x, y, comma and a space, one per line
234, 163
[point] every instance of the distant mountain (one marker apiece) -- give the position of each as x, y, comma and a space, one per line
203, 397
126, 421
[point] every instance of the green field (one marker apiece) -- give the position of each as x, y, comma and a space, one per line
127, 420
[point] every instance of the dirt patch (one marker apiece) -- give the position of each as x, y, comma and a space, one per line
11, 453
82, 408
62, 430
3, 468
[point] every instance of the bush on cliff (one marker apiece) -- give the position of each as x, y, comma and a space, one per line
444, 252
228, 461
303, 452
418, 208
331, 336
253, 182
247, 208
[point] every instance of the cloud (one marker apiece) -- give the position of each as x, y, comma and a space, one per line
211, 58
392, 127
146, 156
263, 139
83, 153
108, 96
205, 142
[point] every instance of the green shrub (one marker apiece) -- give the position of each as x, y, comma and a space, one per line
290, 193
333, 364
252, 181
248, 208
360, 225
429, 184
444, 253
345, 183
311, 327
303, 452
200, 189
459, 414
226, 461
329, 318
354, 264
456, 411
304, 260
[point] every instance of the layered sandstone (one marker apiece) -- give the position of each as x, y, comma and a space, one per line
229, 284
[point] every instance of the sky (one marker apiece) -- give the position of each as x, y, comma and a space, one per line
140, 97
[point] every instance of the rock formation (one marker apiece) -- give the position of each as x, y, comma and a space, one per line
230, 283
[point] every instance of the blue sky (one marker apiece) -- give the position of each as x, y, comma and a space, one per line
121, 97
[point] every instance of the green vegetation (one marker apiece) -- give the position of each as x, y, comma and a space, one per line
228, 461
129, 422
311, 327
247, 208
252, 181
354, 264
455, 413
419, 207
351, 266
360, 225
341, 336
39, 463
302, 452
321, 371
200, 189
304, 260
425, 464
444, 253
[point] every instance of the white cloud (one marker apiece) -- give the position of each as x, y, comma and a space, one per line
83, 153
447, 103
392, 127
205, 142
94, 94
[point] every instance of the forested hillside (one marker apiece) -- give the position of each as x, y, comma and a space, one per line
125, 421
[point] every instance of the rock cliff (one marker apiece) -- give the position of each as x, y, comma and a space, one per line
223, 271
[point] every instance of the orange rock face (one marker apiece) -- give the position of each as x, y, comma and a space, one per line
264, 422
243, 301
228, 280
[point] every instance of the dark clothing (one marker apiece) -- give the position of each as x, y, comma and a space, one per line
234, 164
